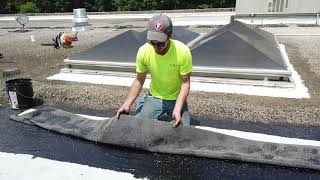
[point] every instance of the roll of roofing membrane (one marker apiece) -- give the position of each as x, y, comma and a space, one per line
158, 136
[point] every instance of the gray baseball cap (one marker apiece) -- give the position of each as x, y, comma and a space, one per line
159, 27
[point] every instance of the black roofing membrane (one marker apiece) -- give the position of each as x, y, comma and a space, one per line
159, 136
25, 139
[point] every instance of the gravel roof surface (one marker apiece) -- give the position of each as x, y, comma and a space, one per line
38, 62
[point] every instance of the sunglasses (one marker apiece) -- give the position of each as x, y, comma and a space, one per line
157, 44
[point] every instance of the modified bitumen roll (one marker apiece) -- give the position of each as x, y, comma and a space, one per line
157, 136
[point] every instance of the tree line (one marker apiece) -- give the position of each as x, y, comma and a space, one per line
49, 6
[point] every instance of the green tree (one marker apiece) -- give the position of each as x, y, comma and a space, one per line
63, 5
13, 6
29, 7
46, 6
2, 6
203, 6
76, 4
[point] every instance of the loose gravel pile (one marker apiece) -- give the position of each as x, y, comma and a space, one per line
38, 62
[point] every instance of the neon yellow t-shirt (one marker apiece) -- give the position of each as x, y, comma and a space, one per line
166, 70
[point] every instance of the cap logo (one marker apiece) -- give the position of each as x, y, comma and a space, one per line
158, 26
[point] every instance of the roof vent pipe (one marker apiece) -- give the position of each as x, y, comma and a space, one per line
81, 20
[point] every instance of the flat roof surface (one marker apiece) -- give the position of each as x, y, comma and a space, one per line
39, 62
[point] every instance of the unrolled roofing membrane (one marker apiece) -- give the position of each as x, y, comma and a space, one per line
124, 47
238, 45
158, 136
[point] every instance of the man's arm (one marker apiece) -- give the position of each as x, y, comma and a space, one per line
133, 93
184, 92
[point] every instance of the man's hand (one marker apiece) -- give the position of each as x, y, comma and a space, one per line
123, 110
133, 93
184, 92
176, 116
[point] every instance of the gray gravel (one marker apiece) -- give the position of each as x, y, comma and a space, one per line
38, 62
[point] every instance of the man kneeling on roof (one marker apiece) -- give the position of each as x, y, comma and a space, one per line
169, 63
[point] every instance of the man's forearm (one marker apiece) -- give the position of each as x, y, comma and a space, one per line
134, 92
184, 92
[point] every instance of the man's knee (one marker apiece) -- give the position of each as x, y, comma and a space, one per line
150, 108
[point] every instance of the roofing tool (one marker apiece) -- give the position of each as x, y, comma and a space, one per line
62, 40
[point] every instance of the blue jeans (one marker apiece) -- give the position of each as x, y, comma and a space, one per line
154, 108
